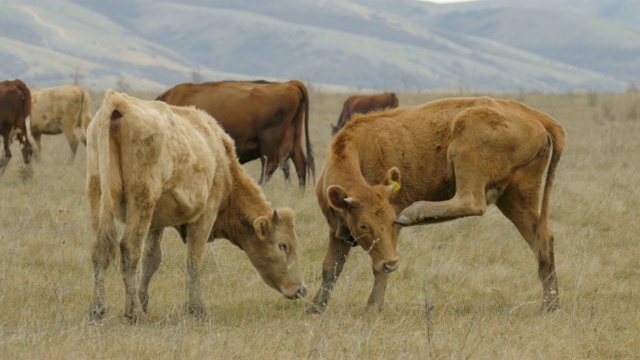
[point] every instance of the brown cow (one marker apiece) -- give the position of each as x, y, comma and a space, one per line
61, 109
265, 120
362, 104
15, 111
437, 162
151, 166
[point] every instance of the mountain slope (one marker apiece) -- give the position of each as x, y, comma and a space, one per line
378, 45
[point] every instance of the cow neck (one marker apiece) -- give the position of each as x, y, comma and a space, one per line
347, 169
245, 203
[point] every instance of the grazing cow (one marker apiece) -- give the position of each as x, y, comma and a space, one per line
362, 104
151, 166
15, 108
265, 120
437, 162
62, 109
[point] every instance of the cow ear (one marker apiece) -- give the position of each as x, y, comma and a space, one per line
338, 198
392, 180
261, 227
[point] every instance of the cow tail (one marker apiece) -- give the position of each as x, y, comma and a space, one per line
27, 114
311, 164
30, 138
111, 180
343, 117
557, 137
81, 122
163, 97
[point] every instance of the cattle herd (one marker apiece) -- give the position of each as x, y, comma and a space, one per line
176, 162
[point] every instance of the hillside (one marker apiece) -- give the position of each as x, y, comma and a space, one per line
490, 45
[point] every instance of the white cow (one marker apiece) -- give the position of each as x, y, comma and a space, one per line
62, 109
151, 166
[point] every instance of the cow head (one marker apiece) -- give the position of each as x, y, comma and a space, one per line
368, 213
274, 253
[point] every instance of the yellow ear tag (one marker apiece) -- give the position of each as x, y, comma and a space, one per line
396, 186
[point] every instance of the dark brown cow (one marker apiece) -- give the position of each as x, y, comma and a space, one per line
15, 111
264, 119
437, 162
362, 104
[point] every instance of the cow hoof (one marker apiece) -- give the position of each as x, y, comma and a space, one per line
199, 313
96, 313
135, 317
554, 306
403, 220
372, 308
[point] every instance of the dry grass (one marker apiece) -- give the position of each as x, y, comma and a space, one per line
465, 289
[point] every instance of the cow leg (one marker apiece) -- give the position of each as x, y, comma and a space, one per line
540, 240
286, 171
73, 143
130, 249
376, 298
300, 163
197, 235
74, 148
25, 148
105, 245
468, 202
4, 160
150, 263
139, 213
472, 176
103, 253
269, 166
522, 203
37, 153
334, 260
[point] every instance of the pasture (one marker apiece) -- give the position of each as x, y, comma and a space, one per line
464, 289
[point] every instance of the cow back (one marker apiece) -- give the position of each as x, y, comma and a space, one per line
413, 139
15, 102
257, 115
61, 108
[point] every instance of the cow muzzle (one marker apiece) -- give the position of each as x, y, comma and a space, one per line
391, 266
299, 294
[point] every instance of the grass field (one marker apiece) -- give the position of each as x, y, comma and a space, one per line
465, 289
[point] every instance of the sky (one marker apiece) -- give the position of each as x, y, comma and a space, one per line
446, 1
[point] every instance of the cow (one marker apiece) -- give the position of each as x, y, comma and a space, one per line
265, 119
431, 163
362, 104
151, 166
61, 109
15, 111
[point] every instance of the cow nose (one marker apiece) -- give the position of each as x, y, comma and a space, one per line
301, 293
391, 266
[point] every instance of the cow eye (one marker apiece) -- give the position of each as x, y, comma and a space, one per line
282, 246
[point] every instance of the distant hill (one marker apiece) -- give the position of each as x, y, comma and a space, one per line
490, 45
